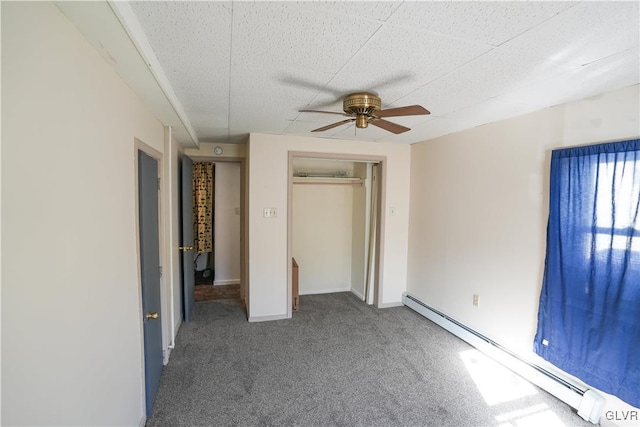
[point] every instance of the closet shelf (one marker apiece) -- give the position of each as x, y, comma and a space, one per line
326, 180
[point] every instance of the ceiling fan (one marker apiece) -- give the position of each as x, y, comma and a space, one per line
366, 108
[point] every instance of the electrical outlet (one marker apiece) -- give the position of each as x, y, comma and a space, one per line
270, 213
476, 299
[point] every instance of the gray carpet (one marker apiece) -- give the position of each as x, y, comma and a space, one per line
338, 362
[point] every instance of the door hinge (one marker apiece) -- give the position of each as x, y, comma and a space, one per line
158, 183
160, 270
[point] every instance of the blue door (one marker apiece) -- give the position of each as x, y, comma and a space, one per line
150, 272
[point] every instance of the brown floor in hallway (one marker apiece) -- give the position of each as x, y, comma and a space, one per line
213, 293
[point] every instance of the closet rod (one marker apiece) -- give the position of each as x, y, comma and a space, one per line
352, 184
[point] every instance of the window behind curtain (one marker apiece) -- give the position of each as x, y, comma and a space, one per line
589, 313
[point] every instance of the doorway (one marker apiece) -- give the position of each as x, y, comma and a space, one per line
334, 227
218, 226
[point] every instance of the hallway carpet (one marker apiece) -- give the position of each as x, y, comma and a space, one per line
339, 362
213, 292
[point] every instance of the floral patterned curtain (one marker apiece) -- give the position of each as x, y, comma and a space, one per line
203, 179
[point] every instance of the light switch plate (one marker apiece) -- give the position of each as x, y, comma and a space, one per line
270, 213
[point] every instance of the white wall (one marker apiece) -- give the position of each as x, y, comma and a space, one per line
268, 186
322, 233
227, 223
172, 303
328, 229
71, 326
322, 165
205, 151
479, 207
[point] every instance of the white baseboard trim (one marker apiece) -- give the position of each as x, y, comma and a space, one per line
358, 294
226, 282
166, 354
391, 304
268, 318
324, 291
176, 327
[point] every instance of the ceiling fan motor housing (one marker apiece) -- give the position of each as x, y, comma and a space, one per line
362, 105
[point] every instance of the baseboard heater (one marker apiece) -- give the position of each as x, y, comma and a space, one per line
587, 402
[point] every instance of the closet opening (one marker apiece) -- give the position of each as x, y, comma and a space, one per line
335, 225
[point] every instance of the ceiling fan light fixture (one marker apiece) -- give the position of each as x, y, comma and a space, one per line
362, 121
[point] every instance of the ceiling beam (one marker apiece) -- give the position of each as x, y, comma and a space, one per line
113, 30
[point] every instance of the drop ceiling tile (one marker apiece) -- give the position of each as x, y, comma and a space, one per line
408, 121
439, 127
625, 63
439, 100
497, 72
205, 119
243, 112
204, 100
169, 24
330, 99
304, 128
570, 86
583, 33
375, 10
311, 81
191, 40
321, 119
295, 35
490, 110
476, 21
324, 102
205, 107
370, 133
273, 87
397, 60
433, 128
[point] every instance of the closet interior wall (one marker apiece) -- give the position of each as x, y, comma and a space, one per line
330, 221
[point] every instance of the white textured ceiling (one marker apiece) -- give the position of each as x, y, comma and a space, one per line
238, 67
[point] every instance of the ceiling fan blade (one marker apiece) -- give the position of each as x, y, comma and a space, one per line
333, 125
325, 112
391, 127
410, 110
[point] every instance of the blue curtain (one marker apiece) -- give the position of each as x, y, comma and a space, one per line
589, 313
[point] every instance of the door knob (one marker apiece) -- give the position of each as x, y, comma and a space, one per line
185, 248
151, 315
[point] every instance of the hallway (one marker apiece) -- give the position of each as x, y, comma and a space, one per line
210, 292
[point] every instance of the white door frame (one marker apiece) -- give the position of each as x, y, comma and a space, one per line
381, 206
